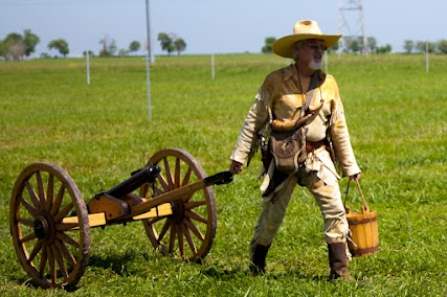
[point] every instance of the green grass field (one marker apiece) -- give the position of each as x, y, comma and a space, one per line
397, 115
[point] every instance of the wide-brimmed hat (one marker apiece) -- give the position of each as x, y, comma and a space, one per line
305, 29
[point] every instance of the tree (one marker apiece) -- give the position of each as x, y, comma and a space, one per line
90, 53
31, 40
334, 47
408, 46
420, 46
13, 47
268, 43
180, 45
2, 49
442, 46
384, 49
109, 47
60, 45
134, 46
371, 44
352, 44
166, 42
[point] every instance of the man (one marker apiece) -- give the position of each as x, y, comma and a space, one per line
283, 93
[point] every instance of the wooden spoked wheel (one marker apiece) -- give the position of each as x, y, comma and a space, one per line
53, 250
189, 232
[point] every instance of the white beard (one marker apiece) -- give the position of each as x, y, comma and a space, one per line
315, 65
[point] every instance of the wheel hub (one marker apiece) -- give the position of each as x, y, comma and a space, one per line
41, 228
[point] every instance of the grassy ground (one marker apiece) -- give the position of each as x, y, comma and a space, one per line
99, 133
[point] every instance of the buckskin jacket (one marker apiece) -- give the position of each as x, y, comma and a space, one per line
279, 98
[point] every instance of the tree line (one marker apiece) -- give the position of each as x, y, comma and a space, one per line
439, 47
355, 45
17, 46
351, 44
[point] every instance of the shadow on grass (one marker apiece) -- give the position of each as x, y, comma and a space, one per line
117, 263
228, 274
32, 284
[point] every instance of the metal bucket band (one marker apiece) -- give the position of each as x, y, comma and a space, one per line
364, 251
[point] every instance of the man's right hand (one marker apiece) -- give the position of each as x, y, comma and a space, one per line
235, 167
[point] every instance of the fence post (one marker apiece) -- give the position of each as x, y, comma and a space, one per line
213, 68
87, 65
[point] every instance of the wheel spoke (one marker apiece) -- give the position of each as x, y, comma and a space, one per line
189, 239
164, 229
171, 239
192, 224
28, 238
40, 190
32, 211
66, 253
163, 183
26, 222
155, 220
144, 189
32, 194
64, 237
177, 173
57, 203
35, 251
64, 212
43, 260
66, 226
180, 239
187, 176
187, 197
45, 209
60, 262
194, 229
168, 173
51, 264
50, 191
194, 204
157, 190
193, 215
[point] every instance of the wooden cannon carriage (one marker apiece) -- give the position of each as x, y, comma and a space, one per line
50, 222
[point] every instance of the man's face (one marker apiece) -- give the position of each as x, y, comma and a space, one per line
310, 52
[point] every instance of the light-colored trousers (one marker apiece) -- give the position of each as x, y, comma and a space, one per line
328, 197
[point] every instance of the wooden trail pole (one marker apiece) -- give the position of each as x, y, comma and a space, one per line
427, 62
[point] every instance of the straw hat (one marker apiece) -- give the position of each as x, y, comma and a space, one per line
305, 29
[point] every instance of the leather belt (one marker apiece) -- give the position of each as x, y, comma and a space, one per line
312, 146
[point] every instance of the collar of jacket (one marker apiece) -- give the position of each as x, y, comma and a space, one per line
291, 73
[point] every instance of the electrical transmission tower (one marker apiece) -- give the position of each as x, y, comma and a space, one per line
351, 23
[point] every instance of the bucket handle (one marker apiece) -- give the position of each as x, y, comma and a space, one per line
365, 206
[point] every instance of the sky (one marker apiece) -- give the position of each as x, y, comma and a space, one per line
214, 26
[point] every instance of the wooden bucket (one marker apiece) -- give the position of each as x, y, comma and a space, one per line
364, 228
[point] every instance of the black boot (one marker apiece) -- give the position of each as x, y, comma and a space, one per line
338, 261
258, 255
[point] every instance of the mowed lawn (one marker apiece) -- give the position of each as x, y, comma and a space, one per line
397, 116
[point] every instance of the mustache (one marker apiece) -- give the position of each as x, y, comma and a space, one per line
315, 65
